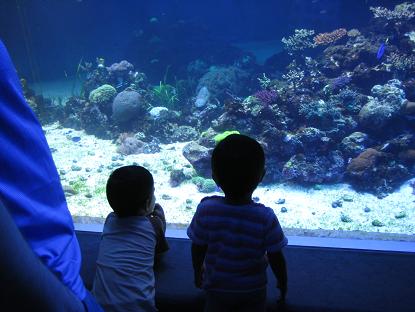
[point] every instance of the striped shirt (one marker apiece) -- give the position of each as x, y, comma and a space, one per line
237, 236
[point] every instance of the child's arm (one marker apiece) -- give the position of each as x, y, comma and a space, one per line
198, 257
158, 221
278, 266
158, 212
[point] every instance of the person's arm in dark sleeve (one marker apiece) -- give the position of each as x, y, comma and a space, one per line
279, 268
198, 257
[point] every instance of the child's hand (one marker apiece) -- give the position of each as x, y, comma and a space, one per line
157, 207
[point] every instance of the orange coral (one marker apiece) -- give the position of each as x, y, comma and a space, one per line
363, 162
326, 38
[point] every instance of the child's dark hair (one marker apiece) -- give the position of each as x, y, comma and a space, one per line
238, 164
128, 188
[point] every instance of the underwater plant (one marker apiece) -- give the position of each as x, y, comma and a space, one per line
79, 185
165, 95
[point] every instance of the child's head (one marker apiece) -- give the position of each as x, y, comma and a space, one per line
238, 165
130, 191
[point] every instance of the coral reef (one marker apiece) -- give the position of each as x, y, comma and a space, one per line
328, 99
376, 172
127, 105
403, 11
129, 144
202, 97
121, 73
219, 81
103, 94
294, 78
184, 134
94, 121
320, 113
314, 169
354, 144
199, 157
266, 97
300, 41
204, 185
383, 107
329, 37
401, 62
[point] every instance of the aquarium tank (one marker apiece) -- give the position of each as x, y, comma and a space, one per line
326, 86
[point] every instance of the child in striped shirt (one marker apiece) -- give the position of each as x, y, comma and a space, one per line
233, 238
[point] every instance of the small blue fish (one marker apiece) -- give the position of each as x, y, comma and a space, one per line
381, 49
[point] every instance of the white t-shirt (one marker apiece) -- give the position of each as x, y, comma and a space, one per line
124, 279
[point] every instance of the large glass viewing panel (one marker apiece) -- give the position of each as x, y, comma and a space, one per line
326, 86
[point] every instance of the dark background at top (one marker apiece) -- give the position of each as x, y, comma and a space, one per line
51, 36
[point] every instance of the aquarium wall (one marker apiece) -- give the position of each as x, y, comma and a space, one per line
327, 88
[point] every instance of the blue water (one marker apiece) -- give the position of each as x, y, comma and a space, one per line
48, 38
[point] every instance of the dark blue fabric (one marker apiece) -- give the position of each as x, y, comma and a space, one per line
220, 301
30, 188
91, 304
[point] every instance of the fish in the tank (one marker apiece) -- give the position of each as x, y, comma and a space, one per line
327, 88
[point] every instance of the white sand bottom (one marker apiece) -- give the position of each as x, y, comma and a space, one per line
309, 211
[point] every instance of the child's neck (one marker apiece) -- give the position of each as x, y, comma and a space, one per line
243, 200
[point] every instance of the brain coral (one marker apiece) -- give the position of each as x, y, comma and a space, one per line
102, 94
127, 105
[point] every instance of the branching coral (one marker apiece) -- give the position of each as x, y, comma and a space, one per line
329, 37
301, 40
404, 11
294, 77
266, 97
353, 32
264, 81
401, 62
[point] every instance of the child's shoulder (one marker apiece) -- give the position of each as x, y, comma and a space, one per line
211, 198
210, 201
263, 210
